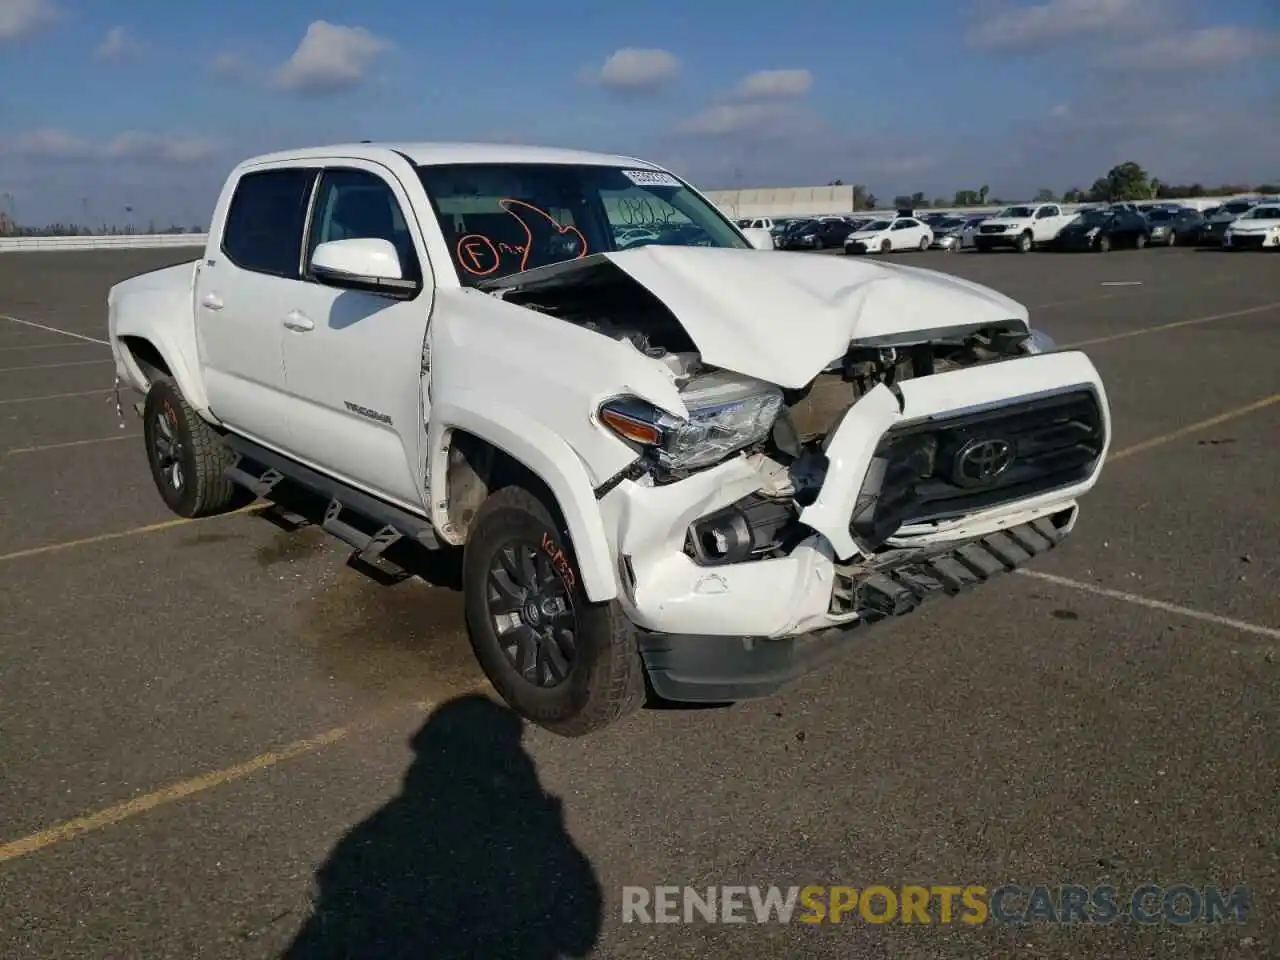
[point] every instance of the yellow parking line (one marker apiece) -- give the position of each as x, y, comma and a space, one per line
72, 443
117, 535
1142, 331
181, 789
104, 393
1194, 428
55, 366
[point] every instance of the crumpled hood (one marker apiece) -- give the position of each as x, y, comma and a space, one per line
784, 317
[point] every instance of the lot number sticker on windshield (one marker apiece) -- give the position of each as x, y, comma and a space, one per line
651, 178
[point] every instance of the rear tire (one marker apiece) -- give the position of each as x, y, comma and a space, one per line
188, 459
559, 660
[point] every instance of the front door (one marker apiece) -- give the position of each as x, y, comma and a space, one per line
240, 293
353, 360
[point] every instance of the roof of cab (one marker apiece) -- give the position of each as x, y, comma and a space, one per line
434, 154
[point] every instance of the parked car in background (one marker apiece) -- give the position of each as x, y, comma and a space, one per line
818, 234
889, 235
951, 233
1258, 229
1103, 230
1223, 216
1021, 227
1171, 226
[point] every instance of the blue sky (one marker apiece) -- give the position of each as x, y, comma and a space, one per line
149, 103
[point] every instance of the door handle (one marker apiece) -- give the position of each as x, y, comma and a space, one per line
296, 320
211, 301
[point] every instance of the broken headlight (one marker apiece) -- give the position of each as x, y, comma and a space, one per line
726, 413
1038, 342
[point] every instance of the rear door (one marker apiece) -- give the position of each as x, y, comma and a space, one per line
242, 290
354, 360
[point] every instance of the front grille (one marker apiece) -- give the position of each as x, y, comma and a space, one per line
1248, 241
858, 246
944, 469
991, 228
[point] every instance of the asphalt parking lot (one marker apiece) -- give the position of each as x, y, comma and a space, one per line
216, 740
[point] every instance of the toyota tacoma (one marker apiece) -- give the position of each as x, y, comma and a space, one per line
684, 467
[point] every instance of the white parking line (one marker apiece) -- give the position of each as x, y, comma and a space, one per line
50, 346
65, 333
1269, 632
54, 366
71, 443
104, 393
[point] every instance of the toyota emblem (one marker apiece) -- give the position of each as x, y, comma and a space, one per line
979, 462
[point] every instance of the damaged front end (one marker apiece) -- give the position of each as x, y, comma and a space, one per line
760, 524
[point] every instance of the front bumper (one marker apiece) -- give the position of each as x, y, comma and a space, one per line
1251, 241
948, 242
716, 668
665, 591
1006, 239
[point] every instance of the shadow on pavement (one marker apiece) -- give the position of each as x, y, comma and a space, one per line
472, 859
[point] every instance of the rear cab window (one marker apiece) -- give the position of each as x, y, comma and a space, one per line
266, 219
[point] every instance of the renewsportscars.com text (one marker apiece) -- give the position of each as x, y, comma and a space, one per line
1147, 903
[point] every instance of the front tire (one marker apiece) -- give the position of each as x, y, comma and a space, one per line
559, 660
188, 459
1140, 241
924, 244
1104, 244
1024, 243
886, 247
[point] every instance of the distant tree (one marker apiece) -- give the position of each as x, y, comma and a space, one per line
1268, 188
873, 202
836, 183
918, 200
966, 198
1126, 181
902, 201
859, 196
1074, 195
1045, 195
982, 194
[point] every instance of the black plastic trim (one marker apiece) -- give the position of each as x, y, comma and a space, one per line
687, 668
372, 508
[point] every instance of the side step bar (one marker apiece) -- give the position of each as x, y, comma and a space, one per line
261, 470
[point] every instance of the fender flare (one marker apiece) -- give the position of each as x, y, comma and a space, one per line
548, 457
136, 319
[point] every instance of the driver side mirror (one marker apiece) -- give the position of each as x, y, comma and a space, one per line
370, 264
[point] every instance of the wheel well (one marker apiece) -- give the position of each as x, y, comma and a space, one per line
149, 360
477, 469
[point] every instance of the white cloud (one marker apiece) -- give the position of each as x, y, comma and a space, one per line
1204, 48
751, 121
49, 143
1058, 21
330, 59
1060, 110
634, 69
116, 46
20, 19
231, 66
775, 85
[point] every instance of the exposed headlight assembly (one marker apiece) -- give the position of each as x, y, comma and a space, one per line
726, 413
1038, 342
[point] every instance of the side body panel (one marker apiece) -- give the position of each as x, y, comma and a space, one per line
353, 369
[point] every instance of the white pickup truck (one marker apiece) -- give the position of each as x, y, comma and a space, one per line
688, 468
1022, 227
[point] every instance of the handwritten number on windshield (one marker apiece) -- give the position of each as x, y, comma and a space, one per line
479, 256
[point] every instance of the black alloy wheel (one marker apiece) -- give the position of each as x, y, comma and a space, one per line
532, 613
